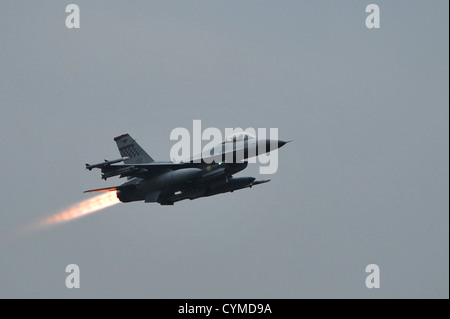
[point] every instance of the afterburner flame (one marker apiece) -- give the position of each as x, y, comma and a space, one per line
88, 206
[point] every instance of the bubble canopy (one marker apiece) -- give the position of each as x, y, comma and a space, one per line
236, 137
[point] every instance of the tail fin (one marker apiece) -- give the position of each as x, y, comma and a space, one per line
129, 148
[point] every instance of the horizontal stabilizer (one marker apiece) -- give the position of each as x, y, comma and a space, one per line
107, 189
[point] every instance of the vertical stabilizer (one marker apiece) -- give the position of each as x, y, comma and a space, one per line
129, 148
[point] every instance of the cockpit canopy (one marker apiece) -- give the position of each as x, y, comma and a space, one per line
240, 136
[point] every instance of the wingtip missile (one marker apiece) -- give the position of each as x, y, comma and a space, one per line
260, 182
105, 163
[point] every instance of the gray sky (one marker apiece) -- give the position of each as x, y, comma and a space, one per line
365, 181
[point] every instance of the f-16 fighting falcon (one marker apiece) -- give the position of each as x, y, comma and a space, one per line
208, 174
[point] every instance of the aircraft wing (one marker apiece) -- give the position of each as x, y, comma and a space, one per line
144, 170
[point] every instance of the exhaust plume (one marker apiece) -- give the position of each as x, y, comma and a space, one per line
86, 207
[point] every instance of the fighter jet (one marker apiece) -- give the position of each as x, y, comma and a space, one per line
206, 174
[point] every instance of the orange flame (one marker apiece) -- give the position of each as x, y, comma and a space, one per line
88, 206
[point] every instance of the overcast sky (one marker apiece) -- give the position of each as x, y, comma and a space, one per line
366, 180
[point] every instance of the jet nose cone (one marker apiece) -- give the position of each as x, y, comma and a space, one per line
282, 143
